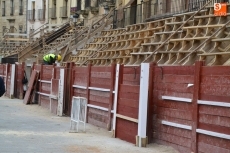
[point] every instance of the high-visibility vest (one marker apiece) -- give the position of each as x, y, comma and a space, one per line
47, 57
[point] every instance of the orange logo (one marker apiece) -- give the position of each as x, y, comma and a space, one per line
220, 9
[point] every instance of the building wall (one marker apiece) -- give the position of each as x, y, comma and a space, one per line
59, 20
16, 21
39, 4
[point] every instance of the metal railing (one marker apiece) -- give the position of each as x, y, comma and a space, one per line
153, 10
52, 12
20, 10
41, 14
3, 12
31, 15
63, 11
11, 10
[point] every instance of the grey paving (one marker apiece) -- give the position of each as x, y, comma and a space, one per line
32, 129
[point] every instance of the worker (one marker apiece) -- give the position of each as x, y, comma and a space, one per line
50, 59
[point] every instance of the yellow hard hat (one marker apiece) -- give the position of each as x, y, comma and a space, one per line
59, 58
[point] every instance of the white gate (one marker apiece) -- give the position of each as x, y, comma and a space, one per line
78, 113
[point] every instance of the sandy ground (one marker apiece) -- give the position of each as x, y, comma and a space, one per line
32, 129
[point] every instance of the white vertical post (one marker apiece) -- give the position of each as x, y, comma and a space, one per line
61, 92
143, 105
12, 77
115, 98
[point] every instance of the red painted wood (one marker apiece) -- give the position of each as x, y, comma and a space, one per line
32, 80
182, 141
45, 102
173, 119
97, 117
100, 99
55, 87
127, 111
214, 110
195, 114
130, 88
180, 114
179, 148
174, 87
174, 94
215, 70
96, 123
104, 75
100, 83
217, 98
96, 103
80, 69
219, 90
127, 95
131, 77
176, 70
173, 130
132, 70
214, 141
129, 103
211, 149
215, 80
54, 106
214, 128
215, 120
171, 78
174, 104
100, 69
126, 130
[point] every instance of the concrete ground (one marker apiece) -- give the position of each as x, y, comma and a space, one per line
32, 129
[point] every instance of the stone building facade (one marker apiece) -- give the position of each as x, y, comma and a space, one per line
13, 16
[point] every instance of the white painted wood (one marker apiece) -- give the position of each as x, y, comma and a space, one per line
61, 92
190, 84
188, 100
99, 89
143, 102
115, 97
214, 103
12, 78
214, 134
80, 87
127, 118
182, 126
98, 107
44, 81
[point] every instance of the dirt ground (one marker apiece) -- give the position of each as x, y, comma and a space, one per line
31, 128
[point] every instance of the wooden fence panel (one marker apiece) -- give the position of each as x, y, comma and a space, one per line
128, 104
19, 75
169, 85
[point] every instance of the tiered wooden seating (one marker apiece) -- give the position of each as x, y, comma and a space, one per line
99, 43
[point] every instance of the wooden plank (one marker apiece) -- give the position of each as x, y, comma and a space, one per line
176, 70
132, 70
202, 147
214, 98
96, 103
127, 130
215, 80
180, 114
104, 75
173, 130
32, 80
170, 78
98, 98
80, 69
215, 70
179, 148
129, 103
220, 90
182, 126
182, 141
213, 110
172, 119
214, 141
100, 69
131, 77
215, 128
175, 94
174, 104
178, 99
96, 123
214, 103
131, 82
195, 114
125, 95
215, 120
174, 87
127, 111
127, 118
100, 83
99, 93
129, 88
